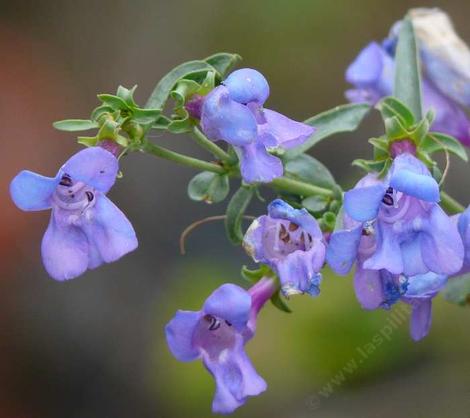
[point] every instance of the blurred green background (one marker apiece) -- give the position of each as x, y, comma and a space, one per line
94, 347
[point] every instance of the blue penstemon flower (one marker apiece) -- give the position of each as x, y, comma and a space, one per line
217, 334
403, 244
86, 229
234, 112
290, 242
445, 72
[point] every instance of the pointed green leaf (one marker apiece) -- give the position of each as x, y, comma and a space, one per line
208, 187
436, 141
278, 301
235, 211
75, 125
390, 107
306, 168
127, 95
315, 204
88, 141
113, 101
223, 62
458, 290
407, 74
394, 128
370, 165
144, 116
162, 90
345, 118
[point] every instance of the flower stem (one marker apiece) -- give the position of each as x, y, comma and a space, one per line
209, 145
281, 183
450, 204
167, 154
299, 187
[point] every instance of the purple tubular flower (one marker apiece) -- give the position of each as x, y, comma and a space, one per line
403, 243
233, 112
86, 229
291, 243
217, 334
445, 80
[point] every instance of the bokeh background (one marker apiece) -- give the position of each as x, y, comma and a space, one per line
94, 346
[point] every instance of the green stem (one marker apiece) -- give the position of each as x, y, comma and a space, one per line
209, 145
281, 183
450, 204
167, 154
299, 187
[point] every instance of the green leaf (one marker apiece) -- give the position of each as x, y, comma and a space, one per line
75, 125
306, 168
345, 118
407, 75
253, 276
127, 95
315, 204
436, 141
162, 90
395, 129
113, 101
458, 290
144, 116
278, 301
100, 111
208, 187
235, 211
390, 107
370, 165
223, 62
88, 141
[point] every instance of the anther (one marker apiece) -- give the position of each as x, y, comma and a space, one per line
90, 196
284, 235
388, 200
293, 227
66, 181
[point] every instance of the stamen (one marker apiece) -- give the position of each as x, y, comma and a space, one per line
284, 235
388, 200
66, 181
389, 190
214, 322
228, 323
293, 227
90, 196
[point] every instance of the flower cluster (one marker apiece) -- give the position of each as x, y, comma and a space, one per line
403, 244
233, 112
445, 72
86, 229
391, 227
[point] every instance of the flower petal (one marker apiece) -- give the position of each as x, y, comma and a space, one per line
64, 248
247, 85
257, 165
450, 119
372, 68
411, 176
31, 191
229, 302
342, 249
224, 119
425, 285
299, 271
285, 133
235, 379
363, 203
421, 318
442, 246
108, 230
413, 262
388, 254
368, 288
278, 209
179, 335
93, 166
